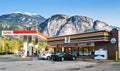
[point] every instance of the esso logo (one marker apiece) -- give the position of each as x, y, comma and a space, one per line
7, 32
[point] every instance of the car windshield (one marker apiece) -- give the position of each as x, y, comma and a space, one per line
59, 53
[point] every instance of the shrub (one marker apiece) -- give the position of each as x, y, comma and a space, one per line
2, 53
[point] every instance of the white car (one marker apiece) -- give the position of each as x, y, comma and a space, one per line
45, 56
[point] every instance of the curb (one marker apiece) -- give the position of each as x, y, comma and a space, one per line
93, 60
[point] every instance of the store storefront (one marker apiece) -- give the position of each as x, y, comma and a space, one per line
86, 44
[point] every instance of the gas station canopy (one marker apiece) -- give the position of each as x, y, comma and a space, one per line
24, 32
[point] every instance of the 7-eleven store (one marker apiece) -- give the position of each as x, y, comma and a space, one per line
87, 43
28, 36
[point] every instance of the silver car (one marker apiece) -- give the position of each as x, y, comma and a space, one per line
45, 55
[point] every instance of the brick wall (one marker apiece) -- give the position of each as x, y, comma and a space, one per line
111, 47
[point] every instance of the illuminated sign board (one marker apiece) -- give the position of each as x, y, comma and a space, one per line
7, 32
67, 40
100, 54
113, 40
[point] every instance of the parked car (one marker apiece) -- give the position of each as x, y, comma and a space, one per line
62, 57
45, 56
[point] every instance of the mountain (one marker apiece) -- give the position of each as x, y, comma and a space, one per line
99, 25
56, 25
21, 20
60, 25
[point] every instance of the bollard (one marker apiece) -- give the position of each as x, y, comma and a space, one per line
116, 59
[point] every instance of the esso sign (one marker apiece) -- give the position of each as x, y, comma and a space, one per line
7, 32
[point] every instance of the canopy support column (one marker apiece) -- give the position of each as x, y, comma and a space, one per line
25, 46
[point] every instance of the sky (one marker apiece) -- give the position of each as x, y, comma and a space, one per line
104, 10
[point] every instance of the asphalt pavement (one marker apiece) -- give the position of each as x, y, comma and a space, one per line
14, 57
14, 63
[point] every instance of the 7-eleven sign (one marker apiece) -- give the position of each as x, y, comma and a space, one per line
67, 40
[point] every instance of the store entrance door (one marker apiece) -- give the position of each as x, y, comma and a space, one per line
68, 50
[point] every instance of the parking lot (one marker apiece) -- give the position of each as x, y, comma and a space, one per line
33, 64
44, 65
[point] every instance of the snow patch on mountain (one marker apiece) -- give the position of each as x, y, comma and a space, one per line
27, 13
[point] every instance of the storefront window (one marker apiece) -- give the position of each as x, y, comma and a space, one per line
66, 49
58, 49
85, 51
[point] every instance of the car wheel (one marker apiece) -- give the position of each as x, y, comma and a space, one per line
48, 58
62, 59
52, 59
73, 58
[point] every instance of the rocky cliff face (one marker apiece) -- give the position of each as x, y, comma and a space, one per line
76, 25
99, 25
59, 25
